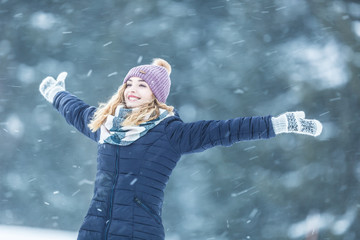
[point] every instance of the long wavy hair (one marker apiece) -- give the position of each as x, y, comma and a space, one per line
151, 109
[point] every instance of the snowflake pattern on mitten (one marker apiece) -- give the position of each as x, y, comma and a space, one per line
307, 126
295, 122
292, 123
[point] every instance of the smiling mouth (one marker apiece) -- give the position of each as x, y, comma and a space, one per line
133, 98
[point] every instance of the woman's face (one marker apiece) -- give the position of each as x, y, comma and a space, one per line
137, 93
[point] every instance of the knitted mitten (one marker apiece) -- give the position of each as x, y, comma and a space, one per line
49, 87
295, 122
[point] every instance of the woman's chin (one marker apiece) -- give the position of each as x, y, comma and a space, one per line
132, 104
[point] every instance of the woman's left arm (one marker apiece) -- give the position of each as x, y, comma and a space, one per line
201, 135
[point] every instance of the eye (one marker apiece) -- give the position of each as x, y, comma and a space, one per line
142, 85
128, 85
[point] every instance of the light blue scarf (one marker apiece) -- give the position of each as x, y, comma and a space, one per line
113, 132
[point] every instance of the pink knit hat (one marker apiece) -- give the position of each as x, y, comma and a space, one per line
157, 77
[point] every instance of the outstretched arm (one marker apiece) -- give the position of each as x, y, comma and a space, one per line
75, 111
201, 135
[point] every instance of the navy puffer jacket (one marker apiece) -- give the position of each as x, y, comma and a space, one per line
130, 180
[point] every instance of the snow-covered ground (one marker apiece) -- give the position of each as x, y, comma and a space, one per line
28, 233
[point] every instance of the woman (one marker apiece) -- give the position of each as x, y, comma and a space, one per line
140, 140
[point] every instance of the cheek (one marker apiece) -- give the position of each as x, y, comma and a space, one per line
126, 91
147, 93
150, 95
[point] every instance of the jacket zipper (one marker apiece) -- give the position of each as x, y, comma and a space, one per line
147, 209
108, 223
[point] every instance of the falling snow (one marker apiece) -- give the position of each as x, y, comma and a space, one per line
229, 58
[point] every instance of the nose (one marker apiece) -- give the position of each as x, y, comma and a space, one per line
130, 88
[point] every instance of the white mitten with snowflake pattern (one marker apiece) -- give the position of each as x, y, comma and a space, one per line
295, 122
49, 87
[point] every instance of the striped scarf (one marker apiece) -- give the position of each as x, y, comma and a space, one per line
113, 132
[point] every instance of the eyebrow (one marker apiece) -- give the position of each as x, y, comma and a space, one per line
138, 80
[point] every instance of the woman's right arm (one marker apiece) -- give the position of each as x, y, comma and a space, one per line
74, 110
76, 113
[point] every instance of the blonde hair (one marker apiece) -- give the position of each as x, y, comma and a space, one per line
151, 109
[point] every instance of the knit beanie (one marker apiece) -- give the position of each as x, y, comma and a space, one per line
156, 75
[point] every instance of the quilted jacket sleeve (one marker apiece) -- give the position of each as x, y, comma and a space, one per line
76, 113
201, 135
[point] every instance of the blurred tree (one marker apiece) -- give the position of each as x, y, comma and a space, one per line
230, 58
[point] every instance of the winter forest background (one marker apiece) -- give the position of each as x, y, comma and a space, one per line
230, 58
